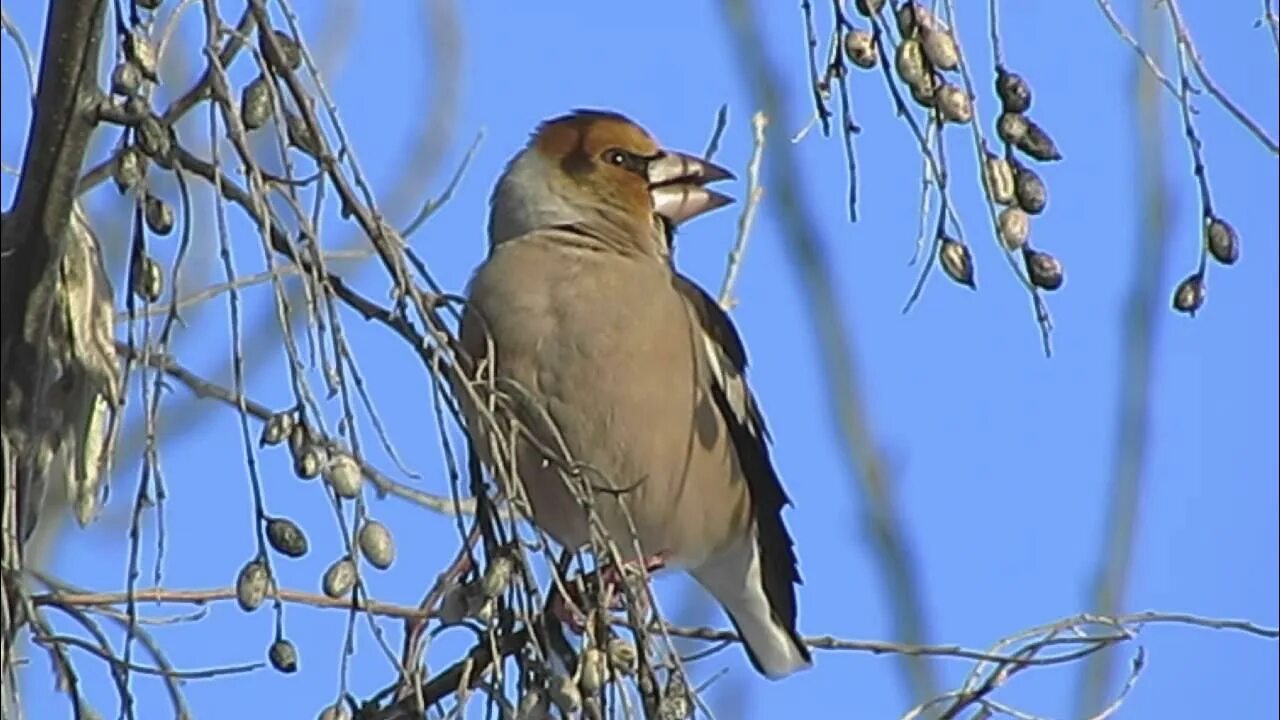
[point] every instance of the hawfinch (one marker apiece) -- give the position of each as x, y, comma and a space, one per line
604, 351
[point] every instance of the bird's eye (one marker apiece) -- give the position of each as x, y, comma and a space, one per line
615, 157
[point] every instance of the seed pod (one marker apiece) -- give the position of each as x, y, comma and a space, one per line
564, 693
286, 537
334, 712
343, 475
158, 214
147, 279
940, 49
309, 464
860, 48
300, 135
126, 78
339, 578
1014, 92
1189, 295
868, 8
139, 50
299, 437
494, 581
1044, 270
908, 60
283, 656
1224, 243
533, 706
1015, 226
129, 169
251, 585
1037, 144
1011, 127
1030, 190
593, 670
924, 93
622, 656
954, 257
456, 603
912, 17
954, 104
153, 139
376, 544
289, 57
255, 103
278, 427
998, 176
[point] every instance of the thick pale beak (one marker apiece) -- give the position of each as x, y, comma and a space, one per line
677, 186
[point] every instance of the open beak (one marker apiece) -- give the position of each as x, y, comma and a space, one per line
677, 184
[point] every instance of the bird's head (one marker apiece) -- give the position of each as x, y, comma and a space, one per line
602, 173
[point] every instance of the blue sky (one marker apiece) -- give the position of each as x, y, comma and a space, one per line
999, 459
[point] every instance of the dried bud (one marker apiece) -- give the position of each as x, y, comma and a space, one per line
868, 8
255, 103
999, 179
1030, 190
126, 78
1224, 243
954, 257
908, 60
153, 138
622, 656
300, 135
376, 544
251, 585
129, 169
1014, 92
1037, 144
860, 47
564, 693
278, 427
1044, 269
286, 537
940, 49
283, 656
147, 279
593, 670
289, 57
139, 50
1015, 226
343, 475
159, 215
1189, 295
1011, 127
496, 577
911, 17
953, 103
339, 578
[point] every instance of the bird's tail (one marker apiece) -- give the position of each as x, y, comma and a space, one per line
767, 624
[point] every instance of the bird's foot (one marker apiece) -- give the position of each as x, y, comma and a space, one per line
609, 579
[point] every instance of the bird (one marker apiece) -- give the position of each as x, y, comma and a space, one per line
605, 351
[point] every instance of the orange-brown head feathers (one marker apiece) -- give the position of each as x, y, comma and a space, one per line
602, 174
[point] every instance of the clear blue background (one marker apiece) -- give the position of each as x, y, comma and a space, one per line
1000, 460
